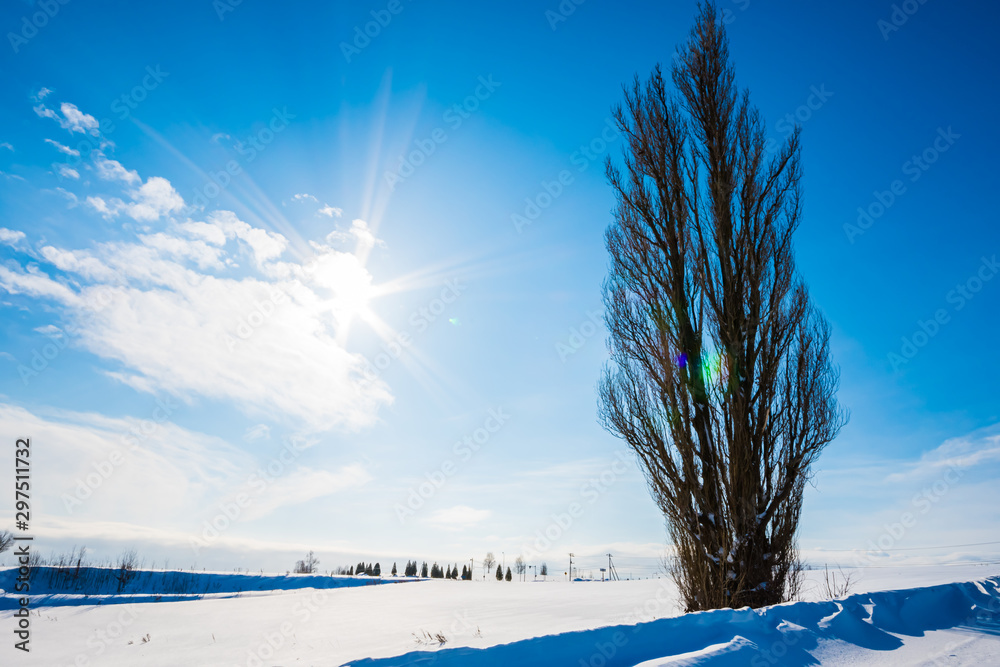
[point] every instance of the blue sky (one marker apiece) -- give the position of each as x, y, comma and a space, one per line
264, 203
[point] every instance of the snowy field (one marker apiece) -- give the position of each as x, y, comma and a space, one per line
925, 618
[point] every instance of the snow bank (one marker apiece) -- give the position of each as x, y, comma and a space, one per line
788, 634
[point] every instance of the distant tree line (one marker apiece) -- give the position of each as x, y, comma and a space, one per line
423, 570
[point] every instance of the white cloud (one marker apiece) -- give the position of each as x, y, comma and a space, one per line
154, 198
112, 170
975, 449
109, 209
304, 484
204, 231
330, 211
264, 245
80, 262
458, 517
67, 171
258, 432
71, 118
10, 236
161, 474
73, 201
62, 149
266, 342
6, 145
50, 330
359, 232
304, 197
202, 254
41, 94
37, 285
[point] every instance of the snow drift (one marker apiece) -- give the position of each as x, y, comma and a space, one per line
786, 634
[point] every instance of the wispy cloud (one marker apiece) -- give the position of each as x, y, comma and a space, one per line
61, 148
112, 170
70, 118
975, 449
458, 517
184, 319
67, 171
357, 232
10, 236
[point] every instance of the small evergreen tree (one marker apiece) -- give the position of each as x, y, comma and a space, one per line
544, 570
360, 569
423, 570
507, 576
499, 573
394, 569
377, 571
454, 572
350, 571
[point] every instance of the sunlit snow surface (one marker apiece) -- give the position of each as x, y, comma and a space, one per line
922, 617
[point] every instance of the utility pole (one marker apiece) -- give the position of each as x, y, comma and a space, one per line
472, 563
612, 574
571, 567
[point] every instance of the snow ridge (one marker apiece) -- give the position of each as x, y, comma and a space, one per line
785, 634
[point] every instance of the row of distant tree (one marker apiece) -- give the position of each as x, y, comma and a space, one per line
309, 564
